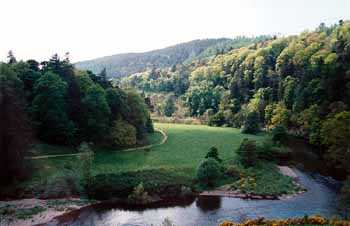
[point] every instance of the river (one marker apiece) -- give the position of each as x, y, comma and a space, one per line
211, 211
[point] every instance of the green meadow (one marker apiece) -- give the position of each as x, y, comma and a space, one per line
186, 146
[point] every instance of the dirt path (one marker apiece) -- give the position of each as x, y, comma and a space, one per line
165, 138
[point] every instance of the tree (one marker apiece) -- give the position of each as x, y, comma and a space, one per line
138, 114
251, 124
49, 110
122, 134
208, 171
29, 73
86, 159
279, 135
103, 79
97, 114
247, 152
335, 135
289, 91
169, 106
213, 153
117, 101
11, 59
65, 70
15, 133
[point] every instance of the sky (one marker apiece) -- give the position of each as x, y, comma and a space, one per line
87, 29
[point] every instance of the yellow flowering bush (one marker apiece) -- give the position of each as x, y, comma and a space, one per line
340, 223
227, 223
245, 184
315, 220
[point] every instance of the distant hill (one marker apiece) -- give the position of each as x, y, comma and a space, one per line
124, 64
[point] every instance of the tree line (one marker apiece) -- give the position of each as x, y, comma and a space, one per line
54, 102
298, 83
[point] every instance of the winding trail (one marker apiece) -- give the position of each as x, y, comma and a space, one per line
165, 138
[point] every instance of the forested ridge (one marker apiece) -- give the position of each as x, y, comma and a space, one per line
124, 64
298, 83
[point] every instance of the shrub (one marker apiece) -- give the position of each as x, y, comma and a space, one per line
232, 171
279, 135
169, 106
208, 172
167, 182
139, 195
213, 153
86, 159
247, 152
251, 124
217, 120
123, 134
61, 185
267, 150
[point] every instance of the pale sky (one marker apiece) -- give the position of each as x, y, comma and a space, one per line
94, 28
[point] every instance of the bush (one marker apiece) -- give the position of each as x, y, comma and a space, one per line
62, 185
122, 134
267, 151
169, 106
217, 120
208, 172
247, 152
232, 171
279, 135
251, 124
167, 182
139, 195
86, 159
213, 153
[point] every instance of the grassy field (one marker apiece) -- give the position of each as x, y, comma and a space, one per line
185, 148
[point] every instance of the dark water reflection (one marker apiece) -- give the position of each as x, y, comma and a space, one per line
210, 211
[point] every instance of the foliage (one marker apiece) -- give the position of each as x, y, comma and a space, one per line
97, 114
314, 220
251, 125
232, 171
279, 135
9, 211
169, 106
248, 152
69, 106
335, 134
86, 159
15, 134
213, 153
124, 64
217, 120
139, 195
49, 109
122, 134
163, 182
208, 172
265, 179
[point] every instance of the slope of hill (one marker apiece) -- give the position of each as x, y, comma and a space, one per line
124, 64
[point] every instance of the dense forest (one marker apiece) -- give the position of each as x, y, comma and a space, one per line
55, 103
124, 64
297, 84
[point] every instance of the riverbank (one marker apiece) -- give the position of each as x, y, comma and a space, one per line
26, 212
231, 191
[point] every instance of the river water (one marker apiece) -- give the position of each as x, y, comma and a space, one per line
211, 211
